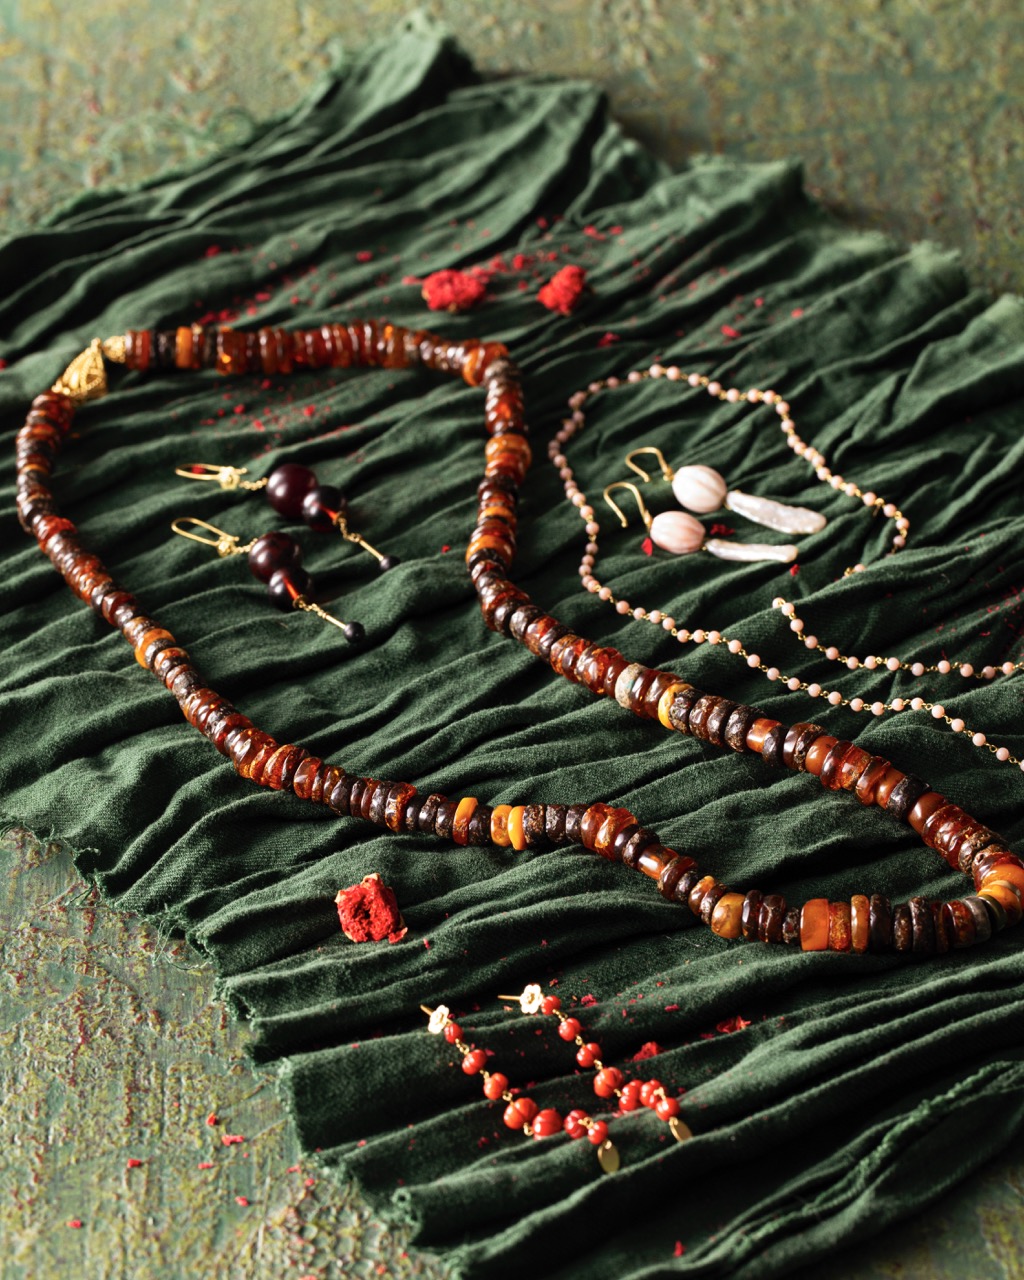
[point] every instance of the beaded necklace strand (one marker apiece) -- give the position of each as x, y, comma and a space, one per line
575, 423
861, 924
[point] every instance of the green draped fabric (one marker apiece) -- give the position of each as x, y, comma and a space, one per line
863, 1087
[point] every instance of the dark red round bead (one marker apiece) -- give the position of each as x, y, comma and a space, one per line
272, 552
287, 486
286, 585
322, 506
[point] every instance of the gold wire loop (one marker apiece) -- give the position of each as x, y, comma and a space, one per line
666, 470
226, 544
645, 515
351, 536
227, 477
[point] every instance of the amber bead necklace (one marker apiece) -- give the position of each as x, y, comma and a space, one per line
697, 635
862, 924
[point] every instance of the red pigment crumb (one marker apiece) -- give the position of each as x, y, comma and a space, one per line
239, 408
707, 1035
364, 255
205, 1164
242, 1200
794, 569
564, 290
368, 911
133, 1163
453, 290
542, 223
729, 331
615, 231
797, 312
361, 1142
410, 279
212, 1118
649, 1050
671, 1008
594, 233
310, 1182
607, 339
522, 261
732, 1024
309, 410
721, 531
759, 302
445, 548
588, 1000
679, 1250
74, 1223
212, 251
647, 546
294, 1168
231, 1139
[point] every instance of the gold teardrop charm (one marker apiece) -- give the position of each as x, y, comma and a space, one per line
680, 1130
85, 378
608, 1156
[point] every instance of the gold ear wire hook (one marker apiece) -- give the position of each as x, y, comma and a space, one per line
225, 544
666, 470
227, 477
645, 515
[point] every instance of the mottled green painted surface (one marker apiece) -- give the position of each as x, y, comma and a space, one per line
908, 115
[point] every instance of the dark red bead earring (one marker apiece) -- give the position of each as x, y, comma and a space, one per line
293, 492
275, 558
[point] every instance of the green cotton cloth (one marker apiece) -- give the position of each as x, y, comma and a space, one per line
829, 1094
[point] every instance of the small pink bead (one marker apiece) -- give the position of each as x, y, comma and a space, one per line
734, 646
772, 673
893, 664
967, 669
700, 635
916, 704
605, 593
655, 616
578, 499
944, 667
814, 690
899, 542
753, 395
591, 584
577, 418
793, 683
988, 672
714, 388
898, 704
871, 662
917, 669
657, 371
797, 625
754, 660
788, 424
1008, 668
732, 395
673, 373
835, 697
889, 509
853, 663
868, 498
612, 383
714, 637
957, 725
856, 704
668, 624
577, 399
634, 375
1003, 753
877, 708
903, 524
832, 653
595, 387
587, 512
592, 528
979, 739
683, 636
622, 606
810, 642
938, 711
694, 379
769, 397
638, 614
837, 482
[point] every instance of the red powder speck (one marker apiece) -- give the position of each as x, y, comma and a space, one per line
3, 364
264, 295
679, 1250
242, 1200
671, 1008
309, 410
212, 251
445, 548
205, 1164
133, 1163
426, 943
607, 339
410, 279
212, 1118
729, 331
523, 285
594, 233
522, 261
721, 530
615, 231
543, 224
310, 1182
647, 547
797, 312
364, 255
794, 569
257, 424
588, 1000
232, 1139
361, 1142
293, 1168
74, 1223
759, 302
735, 1023
649, 1050
239, 408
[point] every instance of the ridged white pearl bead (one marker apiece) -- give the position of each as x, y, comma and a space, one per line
677, 532
699, 488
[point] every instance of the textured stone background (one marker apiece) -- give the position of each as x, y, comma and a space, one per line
907, 114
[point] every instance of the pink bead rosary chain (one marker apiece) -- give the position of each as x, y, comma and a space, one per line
698, 635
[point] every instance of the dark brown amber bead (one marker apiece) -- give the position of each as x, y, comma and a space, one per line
653, 860
943, 928
652, 697
536, 632
959, 923
966, 844
709, 900
769, 922
902, 929
533, 826
771, 747
372, 787
982, 918
879, 923
636, 846
737, 727
686, 884
868, 780
750, 916
905, 795
444, 822
699, 890
673, 873
520, 620
791, 926
758, 731
573, 817
479, 830
325, 782
679, 712
922, 925
375, 811
554, 822
227, 721
566, 652
279, 770
717, 720
701, 710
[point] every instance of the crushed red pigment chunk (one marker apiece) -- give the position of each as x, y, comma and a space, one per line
563, 290
368, 911
452, 290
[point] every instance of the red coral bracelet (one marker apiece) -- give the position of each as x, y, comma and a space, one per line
919, 927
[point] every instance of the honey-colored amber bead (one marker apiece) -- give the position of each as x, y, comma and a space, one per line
868, 780
817, 754
758, 731
814, 918
923, 808
143, 646
1007, 895
186, 346
653, 860
727, 915
1007, 872
860, 917
666, 700
886, 784
398, 797
499, 825
278, 770
516, 833
510, 442
592, 821
464, 810
305, 775
703, 886
839, 926
604, 840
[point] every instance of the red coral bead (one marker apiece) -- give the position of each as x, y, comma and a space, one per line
598, 1133
495, 1085
666, 1108
607, 1081
474, 1061
574, 1124
520, 1112
569, 1028
550, 1005
650, 1091
547, 1123
452, 1032
588, 1055
630, 1098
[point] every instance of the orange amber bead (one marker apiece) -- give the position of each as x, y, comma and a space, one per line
860, 917
886, 784
1007, 872
868, 780
516, 834
499, 825
703, 885
725, 918
464, 810
758, 731
399, 795
814, 918
609, 829
839, 926
157, 633
666, 700
923, 809
1007, 895
816, 756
